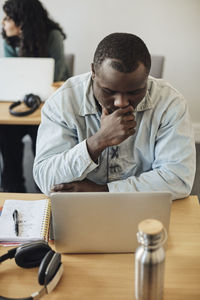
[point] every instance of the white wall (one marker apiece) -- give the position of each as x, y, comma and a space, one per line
169, 27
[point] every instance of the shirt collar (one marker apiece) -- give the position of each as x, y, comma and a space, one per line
145, 104
89, 106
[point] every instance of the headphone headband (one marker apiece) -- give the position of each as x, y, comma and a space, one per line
32, 101
37, 253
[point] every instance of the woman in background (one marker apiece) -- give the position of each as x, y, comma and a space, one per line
28, 32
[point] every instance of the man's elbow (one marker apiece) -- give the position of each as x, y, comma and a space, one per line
38, 177
182, 190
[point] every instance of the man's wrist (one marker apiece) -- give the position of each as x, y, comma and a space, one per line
103, 188
95, 146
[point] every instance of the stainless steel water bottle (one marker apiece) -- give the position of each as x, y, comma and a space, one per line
150, 260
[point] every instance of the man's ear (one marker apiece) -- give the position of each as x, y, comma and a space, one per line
93, 71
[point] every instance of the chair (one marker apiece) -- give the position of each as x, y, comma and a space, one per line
28, 159
157, 64
69, 59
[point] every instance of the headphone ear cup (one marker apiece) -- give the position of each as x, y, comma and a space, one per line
31, 255
32, 101
26, 99
43, 267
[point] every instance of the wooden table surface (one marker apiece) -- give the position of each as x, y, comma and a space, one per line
111, 276
7, 119
33, 119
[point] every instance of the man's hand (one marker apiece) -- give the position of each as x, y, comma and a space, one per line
80, 186
115, 128
118, 126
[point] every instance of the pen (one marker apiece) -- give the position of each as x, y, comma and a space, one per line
16, 220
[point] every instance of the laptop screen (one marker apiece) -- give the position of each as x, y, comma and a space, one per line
104, 222
20, 76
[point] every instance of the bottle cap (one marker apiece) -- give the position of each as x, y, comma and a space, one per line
150, 227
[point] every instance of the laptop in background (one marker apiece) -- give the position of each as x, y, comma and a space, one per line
21, 75
104, 222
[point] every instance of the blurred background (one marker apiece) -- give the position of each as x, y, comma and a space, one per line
168, 27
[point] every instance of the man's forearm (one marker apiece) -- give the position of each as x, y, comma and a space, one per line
58, 167
80, 186
95, 146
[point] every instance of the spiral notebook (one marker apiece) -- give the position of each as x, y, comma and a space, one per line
33, 221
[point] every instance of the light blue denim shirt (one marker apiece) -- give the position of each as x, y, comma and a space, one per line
160, 156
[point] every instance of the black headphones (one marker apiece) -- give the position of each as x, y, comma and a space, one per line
35, 254
31, 100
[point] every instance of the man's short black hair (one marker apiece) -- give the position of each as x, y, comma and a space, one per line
127, 51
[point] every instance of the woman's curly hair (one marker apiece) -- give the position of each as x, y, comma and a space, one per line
35, 25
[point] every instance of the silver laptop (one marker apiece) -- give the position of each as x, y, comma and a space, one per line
20, 76
104, 222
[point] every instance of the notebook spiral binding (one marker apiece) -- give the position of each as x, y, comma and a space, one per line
45, 222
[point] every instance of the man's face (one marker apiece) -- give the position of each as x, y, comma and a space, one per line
114, 89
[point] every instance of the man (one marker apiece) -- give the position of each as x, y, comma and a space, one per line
116, 129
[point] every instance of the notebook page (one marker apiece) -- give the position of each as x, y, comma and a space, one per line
33, 220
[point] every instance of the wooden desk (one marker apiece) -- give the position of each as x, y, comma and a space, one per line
33, 119
7, 119
111, 276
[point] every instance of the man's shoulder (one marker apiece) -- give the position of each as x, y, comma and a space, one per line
162, 88
72, 91
66, 102
165, 98
76, 81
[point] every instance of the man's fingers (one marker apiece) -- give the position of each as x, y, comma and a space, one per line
131, 131
129, 117
125, 111
61, 187
104, 112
